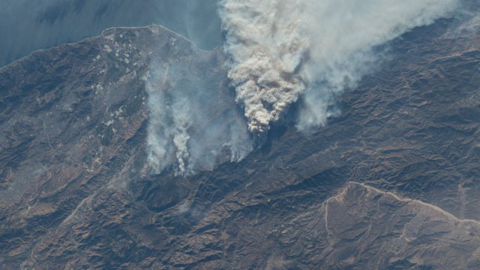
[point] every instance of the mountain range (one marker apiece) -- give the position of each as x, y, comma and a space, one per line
391, 182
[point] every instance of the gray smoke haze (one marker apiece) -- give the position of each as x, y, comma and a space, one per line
286, 50
280, 52
29, 25
193, 126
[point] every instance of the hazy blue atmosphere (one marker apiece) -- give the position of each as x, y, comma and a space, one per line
29, 25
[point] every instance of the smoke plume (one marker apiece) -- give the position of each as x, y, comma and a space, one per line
194, 125
282, 51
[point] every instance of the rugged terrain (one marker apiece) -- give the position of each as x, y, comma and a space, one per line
390, 183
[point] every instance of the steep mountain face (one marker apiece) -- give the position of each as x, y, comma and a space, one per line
391, 183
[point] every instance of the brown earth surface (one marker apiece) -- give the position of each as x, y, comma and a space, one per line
390, 183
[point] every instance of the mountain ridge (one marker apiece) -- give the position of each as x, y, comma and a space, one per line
73, 150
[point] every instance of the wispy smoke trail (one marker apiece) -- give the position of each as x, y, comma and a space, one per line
285, 50
194, 125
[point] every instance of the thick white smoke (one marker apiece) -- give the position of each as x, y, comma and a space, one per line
285, 50
280, 52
